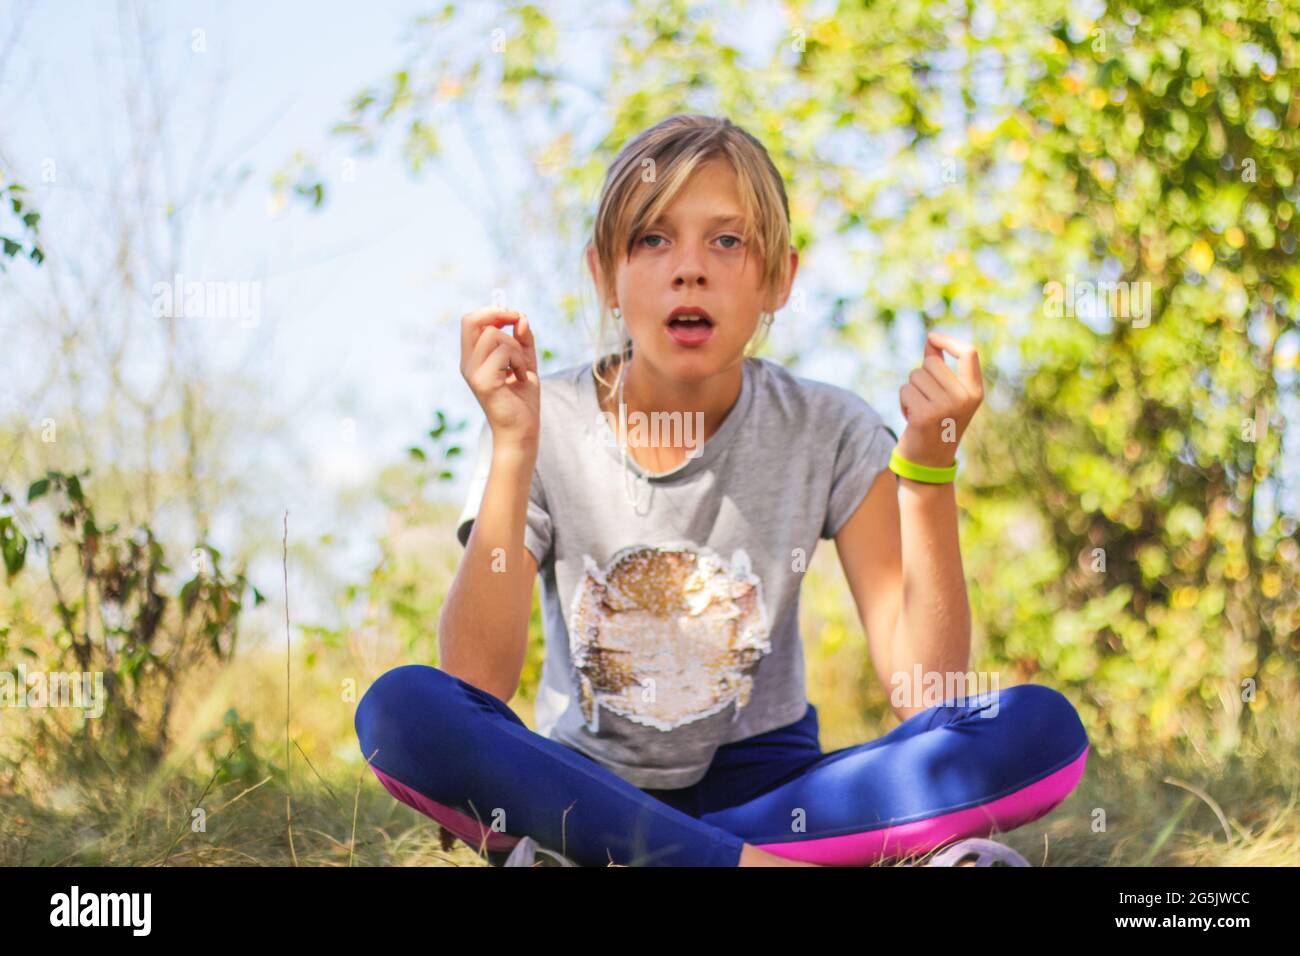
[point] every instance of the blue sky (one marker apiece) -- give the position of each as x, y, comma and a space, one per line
351, 339
356, 340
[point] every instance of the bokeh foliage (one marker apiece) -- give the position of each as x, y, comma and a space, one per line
111, 616
1128, 525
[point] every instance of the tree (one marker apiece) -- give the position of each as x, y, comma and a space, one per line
1105, 198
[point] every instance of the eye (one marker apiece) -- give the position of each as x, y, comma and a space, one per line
739, 241
649, 236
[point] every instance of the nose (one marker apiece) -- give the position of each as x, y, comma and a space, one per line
689, 270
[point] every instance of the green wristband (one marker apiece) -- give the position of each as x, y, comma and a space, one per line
927, 473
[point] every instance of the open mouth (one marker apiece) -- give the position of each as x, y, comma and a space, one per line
690, 327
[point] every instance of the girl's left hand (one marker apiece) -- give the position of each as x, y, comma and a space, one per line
939, 403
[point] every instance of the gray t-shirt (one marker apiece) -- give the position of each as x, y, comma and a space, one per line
672, 622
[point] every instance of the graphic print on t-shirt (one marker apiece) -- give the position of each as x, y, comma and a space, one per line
666, 635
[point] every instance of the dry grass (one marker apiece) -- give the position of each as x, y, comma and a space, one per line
1175, 808
342, 816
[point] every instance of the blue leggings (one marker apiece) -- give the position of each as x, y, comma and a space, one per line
462, 757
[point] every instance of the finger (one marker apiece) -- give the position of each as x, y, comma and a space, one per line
517, 358
495, 369
933, 355
524, 333
490, 340
945, 379
506, 358
968, 360
925, 384
930, 347
911, 400
489, 344
473, 324
933, 393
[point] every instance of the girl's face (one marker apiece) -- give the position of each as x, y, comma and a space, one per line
695, 257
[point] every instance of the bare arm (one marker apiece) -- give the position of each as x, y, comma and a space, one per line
900, 549
483, 627
901, 558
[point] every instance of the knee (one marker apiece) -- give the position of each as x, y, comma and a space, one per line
407, 707
1046, 717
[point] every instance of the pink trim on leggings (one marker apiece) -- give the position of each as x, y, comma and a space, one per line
465, 827
922, 836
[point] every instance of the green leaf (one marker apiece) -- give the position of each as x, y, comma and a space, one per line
13, 544
189, 592
38, 488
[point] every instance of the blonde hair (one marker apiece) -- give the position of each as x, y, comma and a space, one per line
671, 151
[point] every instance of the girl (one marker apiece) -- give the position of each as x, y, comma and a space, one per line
670, 495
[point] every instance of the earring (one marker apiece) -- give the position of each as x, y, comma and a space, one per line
618, 313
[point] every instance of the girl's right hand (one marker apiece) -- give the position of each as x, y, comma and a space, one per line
501, 370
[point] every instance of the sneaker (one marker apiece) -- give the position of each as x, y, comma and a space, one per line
525, 854
986, 853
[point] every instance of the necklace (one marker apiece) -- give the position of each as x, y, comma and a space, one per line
632, 490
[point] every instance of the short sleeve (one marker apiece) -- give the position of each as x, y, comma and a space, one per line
862, 453
537, 526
